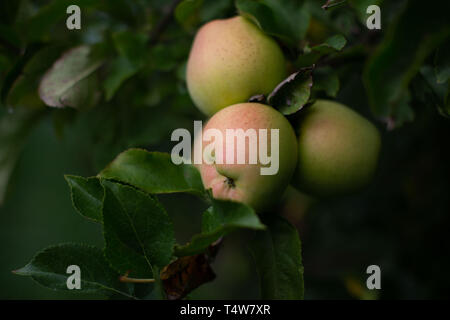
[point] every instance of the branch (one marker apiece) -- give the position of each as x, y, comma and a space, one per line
163, 23
332, 3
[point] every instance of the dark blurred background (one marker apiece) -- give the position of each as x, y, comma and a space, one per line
399, 222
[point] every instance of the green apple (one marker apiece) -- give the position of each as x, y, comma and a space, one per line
230, 61
258, 183
337, 150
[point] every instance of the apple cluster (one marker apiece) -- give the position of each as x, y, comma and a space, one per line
333, 150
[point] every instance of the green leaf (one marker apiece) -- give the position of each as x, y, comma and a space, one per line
360, 7
138, 232
216, 9
16, 71
163, 57
277, 253
87, 196
49, 268
131, 13
312, 55
332, 44
132, 46
69, 81
230, 213
158, 292
14, 130
220, 219
40, 24
283, 19
327, 81
293, 93
133, 51
408, 42
153, 172
430, 92
120, 70
187, 10
24, 90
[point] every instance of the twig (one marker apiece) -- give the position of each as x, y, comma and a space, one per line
330, 4
134, 280
163, 23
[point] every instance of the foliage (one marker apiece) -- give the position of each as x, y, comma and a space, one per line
122, 76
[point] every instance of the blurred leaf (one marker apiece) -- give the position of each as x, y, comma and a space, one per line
216, 9
132, 46
138, 232
133, 52
17, 69
39, 25
430, 92
293, 93
442, 63
24, 90
360, 7
167, 56
312, 55
417, 32
285, 20
120, 70
132, 13
296, 15
326, 80
153, 172
162, 58
87, 196
222, 218
14, 129
68, 82
186, 11
49, 268
277, 253
332, 44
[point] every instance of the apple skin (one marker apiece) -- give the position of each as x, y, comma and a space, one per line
230, 61
243, 182
337, 150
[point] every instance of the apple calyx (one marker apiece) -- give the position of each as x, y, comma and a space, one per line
230, 182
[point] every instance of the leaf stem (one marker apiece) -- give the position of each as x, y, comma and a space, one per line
125, 278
